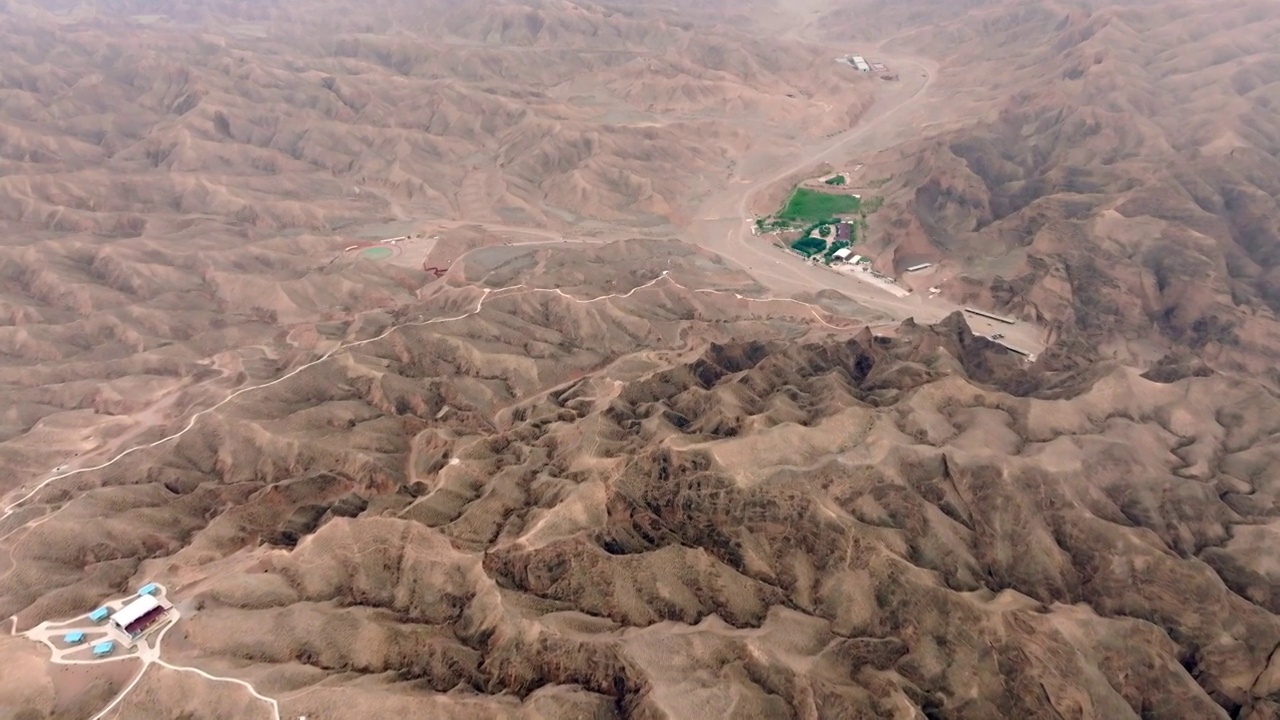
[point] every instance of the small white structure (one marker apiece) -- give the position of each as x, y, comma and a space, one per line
842, 253
855, 259
921, 266
860, 63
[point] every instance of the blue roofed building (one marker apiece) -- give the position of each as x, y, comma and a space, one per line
148, 589
103, 648
99, 615
73, 638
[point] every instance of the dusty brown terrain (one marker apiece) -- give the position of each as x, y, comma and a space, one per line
573, 447
177, 186
1109, 167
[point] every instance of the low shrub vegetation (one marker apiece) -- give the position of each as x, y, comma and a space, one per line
810, 246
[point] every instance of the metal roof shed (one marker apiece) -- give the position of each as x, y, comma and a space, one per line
99, 615
148, 589
103, 648
73, 638
126, 615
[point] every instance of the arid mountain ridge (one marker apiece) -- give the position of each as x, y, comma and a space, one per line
171, 191
590, 479
213, 108
1125, 188
856, 524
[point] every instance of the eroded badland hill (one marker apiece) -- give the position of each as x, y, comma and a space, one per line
577, 444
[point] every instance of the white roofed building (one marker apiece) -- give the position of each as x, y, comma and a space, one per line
134, 619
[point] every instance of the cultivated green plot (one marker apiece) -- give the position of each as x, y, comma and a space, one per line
811, 206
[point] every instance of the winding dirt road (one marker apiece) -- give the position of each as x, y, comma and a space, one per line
146, 652
724, 229
725, 224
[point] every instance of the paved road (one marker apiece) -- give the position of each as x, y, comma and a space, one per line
725, 222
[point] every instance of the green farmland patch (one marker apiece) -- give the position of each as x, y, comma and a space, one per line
811, 206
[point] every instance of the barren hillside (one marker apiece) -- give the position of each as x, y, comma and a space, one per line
392, 344
1113, 167
179, 183
532, 506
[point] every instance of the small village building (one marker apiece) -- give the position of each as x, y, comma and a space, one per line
74, 637
148, 589
103, 648
856, 259
99, 615
842, 253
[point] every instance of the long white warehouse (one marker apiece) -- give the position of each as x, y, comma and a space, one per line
134, 619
